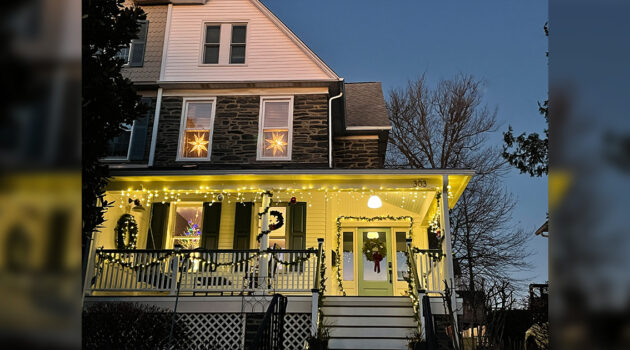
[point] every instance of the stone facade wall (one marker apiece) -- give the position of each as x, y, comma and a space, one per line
235, 135
357, 153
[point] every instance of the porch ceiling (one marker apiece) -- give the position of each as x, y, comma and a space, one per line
330, 180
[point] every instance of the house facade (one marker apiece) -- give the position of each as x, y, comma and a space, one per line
258, 171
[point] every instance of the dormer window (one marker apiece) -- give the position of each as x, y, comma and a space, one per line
133, 55
224, 44
276, 128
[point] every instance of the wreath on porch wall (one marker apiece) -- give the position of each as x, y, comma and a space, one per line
126, 230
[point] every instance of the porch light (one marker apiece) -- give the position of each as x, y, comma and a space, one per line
372, 235
374, 202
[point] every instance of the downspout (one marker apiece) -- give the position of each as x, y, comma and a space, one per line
330, 128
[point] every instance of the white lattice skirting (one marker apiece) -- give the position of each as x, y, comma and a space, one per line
225, 331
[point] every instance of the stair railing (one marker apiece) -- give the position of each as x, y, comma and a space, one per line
415, 288
270, 334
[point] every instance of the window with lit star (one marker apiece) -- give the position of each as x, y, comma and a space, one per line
275, 142
195, 142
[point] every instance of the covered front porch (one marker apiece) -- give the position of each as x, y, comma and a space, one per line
250, 232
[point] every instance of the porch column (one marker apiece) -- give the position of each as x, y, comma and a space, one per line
264, 244
446, 228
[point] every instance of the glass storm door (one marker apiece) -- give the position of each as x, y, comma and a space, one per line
375, 258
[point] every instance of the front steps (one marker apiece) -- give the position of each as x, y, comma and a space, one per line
369, 322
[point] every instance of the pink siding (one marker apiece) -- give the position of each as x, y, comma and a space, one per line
270, 53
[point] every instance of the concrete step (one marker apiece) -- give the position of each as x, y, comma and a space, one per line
374, 311
365, 344
372, 332
341, 321
367, 301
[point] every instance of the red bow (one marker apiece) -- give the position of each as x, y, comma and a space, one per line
377, 261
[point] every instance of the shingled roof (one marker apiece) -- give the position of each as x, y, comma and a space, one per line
365, 105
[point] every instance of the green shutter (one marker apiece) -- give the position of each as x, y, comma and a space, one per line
159, 224
211, 224
242, 225
297, 226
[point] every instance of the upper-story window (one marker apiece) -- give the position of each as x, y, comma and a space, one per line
195, 139
212, 44
276, 128
224, 43
237, 47
133, 55
130, 144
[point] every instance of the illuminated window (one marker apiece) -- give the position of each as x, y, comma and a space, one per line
187, 226
276, 128
196, 136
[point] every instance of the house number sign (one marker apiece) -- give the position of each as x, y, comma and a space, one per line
420, 183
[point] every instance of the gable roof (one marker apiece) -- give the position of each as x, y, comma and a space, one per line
265, 10
365, 107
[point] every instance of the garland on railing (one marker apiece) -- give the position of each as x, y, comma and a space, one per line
299, 260
188, 255
322, 275
305, 256
413, 290
363, 219
435, 254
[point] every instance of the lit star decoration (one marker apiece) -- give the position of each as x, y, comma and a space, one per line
199, 144
276, 143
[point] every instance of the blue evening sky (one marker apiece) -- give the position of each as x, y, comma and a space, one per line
501, 42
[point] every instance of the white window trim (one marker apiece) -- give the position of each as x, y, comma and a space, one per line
130, 47
182, 128
223, 44
259, 149
126, 158
171, 220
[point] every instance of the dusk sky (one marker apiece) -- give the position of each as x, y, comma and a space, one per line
499, 42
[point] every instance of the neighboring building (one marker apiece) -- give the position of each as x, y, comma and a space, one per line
244, 113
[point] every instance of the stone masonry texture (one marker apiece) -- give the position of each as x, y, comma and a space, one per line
235, 135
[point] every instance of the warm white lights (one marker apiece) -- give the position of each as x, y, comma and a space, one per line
372, 235
374, 202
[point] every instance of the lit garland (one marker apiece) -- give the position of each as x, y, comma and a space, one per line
208, 262
298, 260
434, 224
126, 228
413, 290
322, 275
363, 219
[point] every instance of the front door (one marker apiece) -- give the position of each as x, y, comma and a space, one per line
375, 252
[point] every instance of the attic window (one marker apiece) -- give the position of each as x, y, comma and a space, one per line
276, 128
237, 47
211, 44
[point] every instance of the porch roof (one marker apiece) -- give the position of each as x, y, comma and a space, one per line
255, 180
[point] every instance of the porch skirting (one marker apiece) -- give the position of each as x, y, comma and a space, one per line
219, 322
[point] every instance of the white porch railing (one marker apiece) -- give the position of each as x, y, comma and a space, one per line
429, 265
202, 271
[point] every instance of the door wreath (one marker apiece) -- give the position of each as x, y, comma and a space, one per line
375, 250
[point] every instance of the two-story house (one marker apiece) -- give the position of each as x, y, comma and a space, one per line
258, 170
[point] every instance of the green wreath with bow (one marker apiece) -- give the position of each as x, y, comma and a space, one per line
371, 245
126, 229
